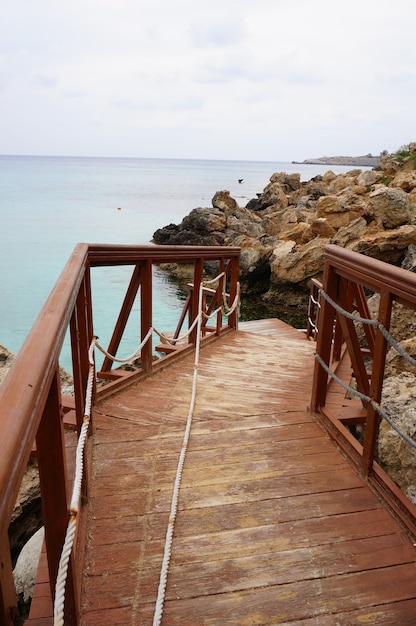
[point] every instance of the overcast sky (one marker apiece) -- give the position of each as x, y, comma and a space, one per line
276, 80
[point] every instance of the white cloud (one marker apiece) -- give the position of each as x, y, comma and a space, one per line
271, 79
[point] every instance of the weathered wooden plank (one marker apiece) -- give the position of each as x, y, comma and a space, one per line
277, 568
273, 524
403, 613
280, 604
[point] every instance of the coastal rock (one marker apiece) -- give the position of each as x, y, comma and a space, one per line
390, 207
224, 202
283, 230
368, 178
273, 195
409, 261
405, 181
27, 516
294, 264
337, 213
26, 567
350, 236
386, 245
396, 456
203, 227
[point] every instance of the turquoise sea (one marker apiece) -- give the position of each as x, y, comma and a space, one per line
48, 204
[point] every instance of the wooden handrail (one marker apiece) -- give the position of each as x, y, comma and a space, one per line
346, 275
30, 397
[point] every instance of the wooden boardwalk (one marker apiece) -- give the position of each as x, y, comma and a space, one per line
274, 526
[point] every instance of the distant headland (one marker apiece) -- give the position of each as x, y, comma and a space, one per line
367, 160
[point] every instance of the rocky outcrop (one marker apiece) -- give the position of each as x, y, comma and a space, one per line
361, 161
282, 233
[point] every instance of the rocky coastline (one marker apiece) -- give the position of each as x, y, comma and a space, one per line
283, 231
367, 160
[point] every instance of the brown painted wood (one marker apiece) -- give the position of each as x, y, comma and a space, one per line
274, 526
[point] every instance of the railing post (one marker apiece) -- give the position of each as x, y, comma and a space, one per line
198, 275
81, 335
123, 316
350, 337
325, 338
53, 482
9, 613
234, 271
379, 362
146, 314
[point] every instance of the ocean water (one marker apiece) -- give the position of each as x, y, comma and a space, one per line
49, 204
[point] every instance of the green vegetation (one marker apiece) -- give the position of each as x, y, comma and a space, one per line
403, 153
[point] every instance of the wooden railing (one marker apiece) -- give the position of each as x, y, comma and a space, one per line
346, 277
32, 408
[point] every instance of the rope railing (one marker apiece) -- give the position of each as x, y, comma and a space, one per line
60, 585
365, 398
76, 494
375, 323
314, 307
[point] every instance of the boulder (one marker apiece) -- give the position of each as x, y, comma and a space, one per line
336, 212
224, 202
369, 177
349, 236
390, 207
405, 181
294, 264
273, 195
386, 245
26, 567
204, 227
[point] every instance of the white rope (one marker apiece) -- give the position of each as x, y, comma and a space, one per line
132, 356
157, 618
76, 495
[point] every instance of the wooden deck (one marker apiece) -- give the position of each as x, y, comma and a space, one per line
274, 526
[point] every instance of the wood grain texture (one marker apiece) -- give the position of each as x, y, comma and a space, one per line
274, 526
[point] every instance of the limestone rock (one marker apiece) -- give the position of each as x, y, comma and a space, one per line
273, 195
224, 202
368, 178
390, 207
396, 363
294, 264
396, 456
335, 211
201, 227
405, 181
348, 236
386, 245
